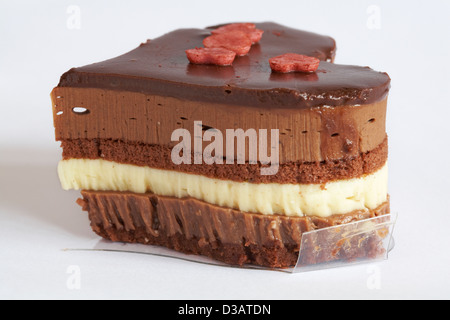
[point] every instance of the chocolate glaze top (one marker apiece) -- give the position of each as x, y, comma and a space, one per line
161, 67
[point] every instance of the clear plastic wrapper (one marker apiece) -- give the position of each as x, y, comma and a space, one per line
357, 242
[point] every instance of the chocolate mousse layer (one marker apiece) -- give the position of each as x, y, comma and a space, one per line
194, 227
305, 135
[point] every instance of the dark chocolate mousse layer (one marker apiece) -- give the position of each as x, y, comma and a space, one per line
194, 227
160, 67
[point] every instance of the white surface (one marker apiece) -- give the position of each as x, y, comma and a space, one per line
38, 220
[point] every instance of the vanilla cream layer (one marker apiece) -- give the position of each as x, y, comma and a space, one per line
337, 197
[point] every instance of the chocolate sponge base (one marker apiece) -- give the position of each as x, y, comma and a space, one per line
230, 236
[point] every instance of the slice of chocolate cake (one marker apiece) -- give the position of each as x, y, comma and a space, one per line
233, 162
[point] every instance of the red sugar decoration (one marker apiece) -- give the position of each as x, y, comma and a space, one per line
236, 41
292, 62
225, 43
217, 56
254, 34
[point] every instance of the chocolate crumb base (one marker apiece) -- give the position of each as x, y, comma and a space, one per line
159, 157
233, 237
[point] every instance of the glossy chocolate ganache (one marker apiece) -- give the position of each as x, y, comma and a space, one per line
160, 67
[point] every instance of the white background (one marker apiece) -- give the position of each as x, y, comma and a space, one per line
38, 221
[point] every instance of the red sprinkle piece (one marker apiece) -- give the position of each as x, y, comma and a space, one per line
292, 62
217, 56
248, 28
238, 42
